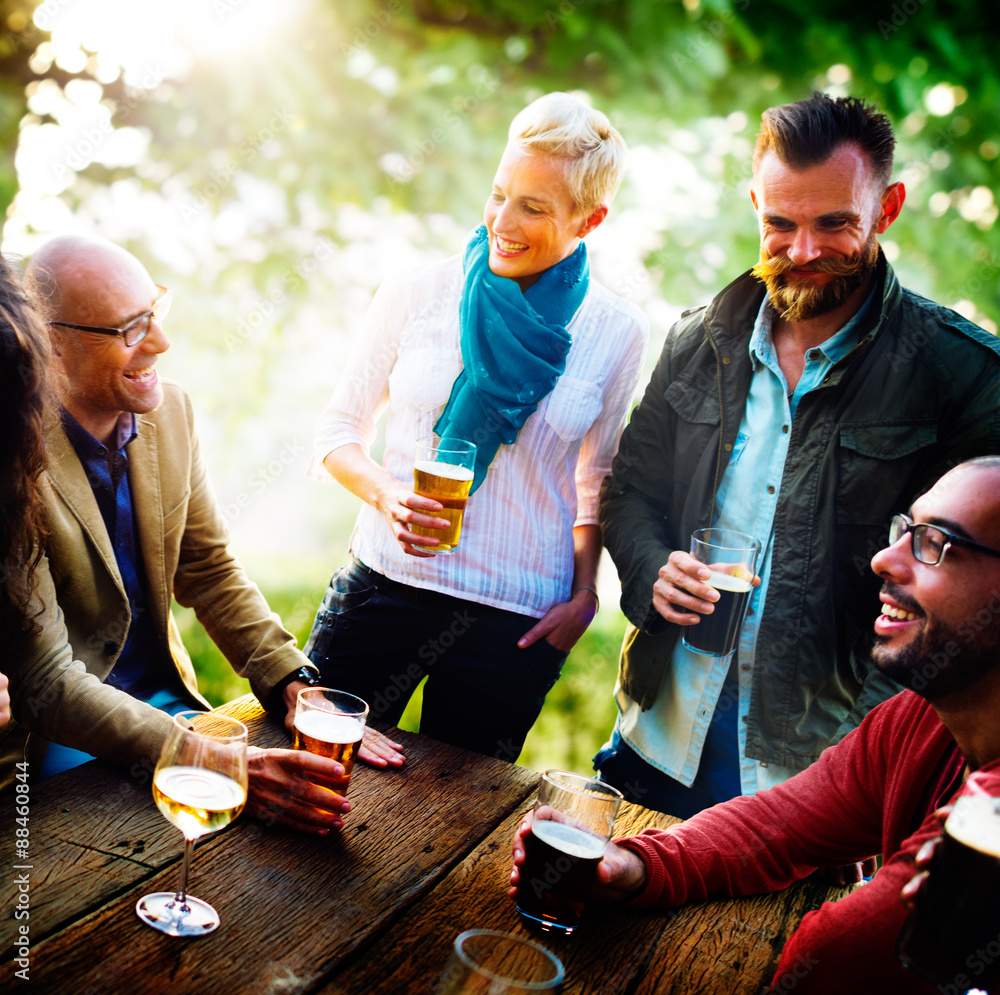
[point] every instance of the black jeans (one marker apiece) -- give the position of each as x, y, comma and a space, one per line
378, 639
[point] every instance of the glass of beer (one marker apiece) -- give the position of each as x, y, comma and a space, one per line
443, 470
330, 724
488, 962
200, 785
951, 938
571, 824
732, 558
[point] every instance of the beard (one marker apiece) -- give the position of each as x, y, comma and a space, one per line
941, 659
801, 302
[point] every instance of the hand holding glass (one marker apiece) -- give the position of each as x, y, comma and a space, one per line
488, 962
444, 471
571, 824
200, 785
732, 558
330, 724
950, 938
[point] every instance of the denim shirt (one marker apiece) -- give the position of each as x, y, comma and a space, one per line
136, 669
671, 735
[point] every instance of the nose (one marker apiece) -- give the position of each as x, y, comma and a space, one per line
803, 247
895, 561
156, 341
502, 217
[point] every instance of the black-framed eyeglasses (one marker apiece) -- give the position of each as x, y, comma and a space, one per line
930, 542
138, 328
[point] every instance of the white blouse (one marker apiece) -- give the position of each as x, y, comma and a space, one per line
516, 549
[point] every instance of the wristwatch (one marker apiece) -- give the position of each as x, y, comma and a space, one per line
308, 675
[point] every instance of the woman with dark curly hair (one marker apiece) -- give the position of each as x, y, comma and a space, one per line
24, 404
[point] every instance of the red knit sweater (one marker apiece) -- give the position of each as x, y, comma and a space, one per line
871, 793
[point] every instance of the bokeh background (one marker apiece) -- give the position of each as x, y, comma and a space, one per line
273, 162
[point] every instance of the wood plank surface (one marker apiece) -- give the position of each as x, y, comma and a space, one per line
95, 831
292, 906
728, 946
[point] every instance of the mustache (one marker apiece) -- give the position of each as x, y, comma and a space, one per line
907, 604
773, 266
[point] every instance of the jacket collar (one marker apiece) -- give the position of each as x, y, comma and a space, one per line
69, 479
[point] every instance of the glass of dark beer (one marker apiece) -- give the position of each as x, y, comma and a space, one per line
330, 724
488, 962
732, 558
571, 824
951, 938
444, 470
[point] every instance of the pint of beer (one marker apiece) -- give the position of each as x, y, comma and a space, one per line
571, 824
951, 939
330, 724
732, 558
444, 471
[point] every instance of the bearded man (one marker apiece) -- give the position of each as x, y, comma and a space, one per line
808, 404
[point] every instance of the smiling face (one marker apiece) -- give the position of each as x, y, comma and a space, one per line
532, 220
818, 230
105, 286
940, 627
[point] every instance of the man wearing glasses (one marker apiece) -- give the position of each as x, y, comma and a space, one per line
132, 522
877, 789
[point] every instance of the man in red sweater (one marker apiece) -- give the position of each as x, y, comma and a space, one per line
876, 790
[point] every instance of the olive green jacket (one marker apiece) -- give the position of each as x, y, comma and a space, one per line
919, 393
57, 687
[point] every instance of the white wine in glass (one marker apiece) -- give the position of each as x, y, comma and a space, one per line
200, 785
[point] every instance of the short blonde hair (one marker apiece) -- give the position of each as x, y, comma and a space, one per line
564, 127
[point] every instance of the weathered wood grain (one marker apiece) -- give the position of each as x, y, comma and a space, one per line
292, 906
714, 947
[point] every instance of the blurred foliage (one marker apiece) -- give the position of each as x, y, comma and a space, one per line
409, 102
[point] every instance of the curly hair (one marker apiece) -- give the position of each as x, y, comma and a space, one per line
25, 405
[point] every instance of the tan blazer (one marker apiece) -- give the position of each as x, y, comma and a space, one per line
57, 688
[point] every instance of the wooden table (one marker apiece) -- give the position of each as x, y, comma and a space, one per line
425, 854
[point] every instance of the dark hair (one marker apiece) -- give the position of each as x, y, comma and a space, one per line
808, 132
25, 403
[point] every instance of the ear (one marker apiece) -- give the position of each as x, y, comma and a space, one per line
57, 344
598, 215
892, 204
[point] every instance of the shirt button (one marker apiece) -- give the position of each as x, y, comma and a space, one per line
770, 488
784, 428
814, 354
725, 360
728, 448
745, 666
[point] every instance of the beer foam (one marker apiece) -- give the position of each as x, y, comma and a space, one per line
727, 582
329, 727
568, 839
975, 821
449, 470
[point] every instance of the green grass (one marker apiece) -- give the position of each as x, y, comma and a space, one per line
576, 720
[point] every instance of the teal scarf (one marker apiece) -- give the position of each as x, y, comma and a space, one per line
514, 348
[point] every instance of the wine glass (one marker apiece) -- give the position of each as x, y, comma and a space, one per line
200, 785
